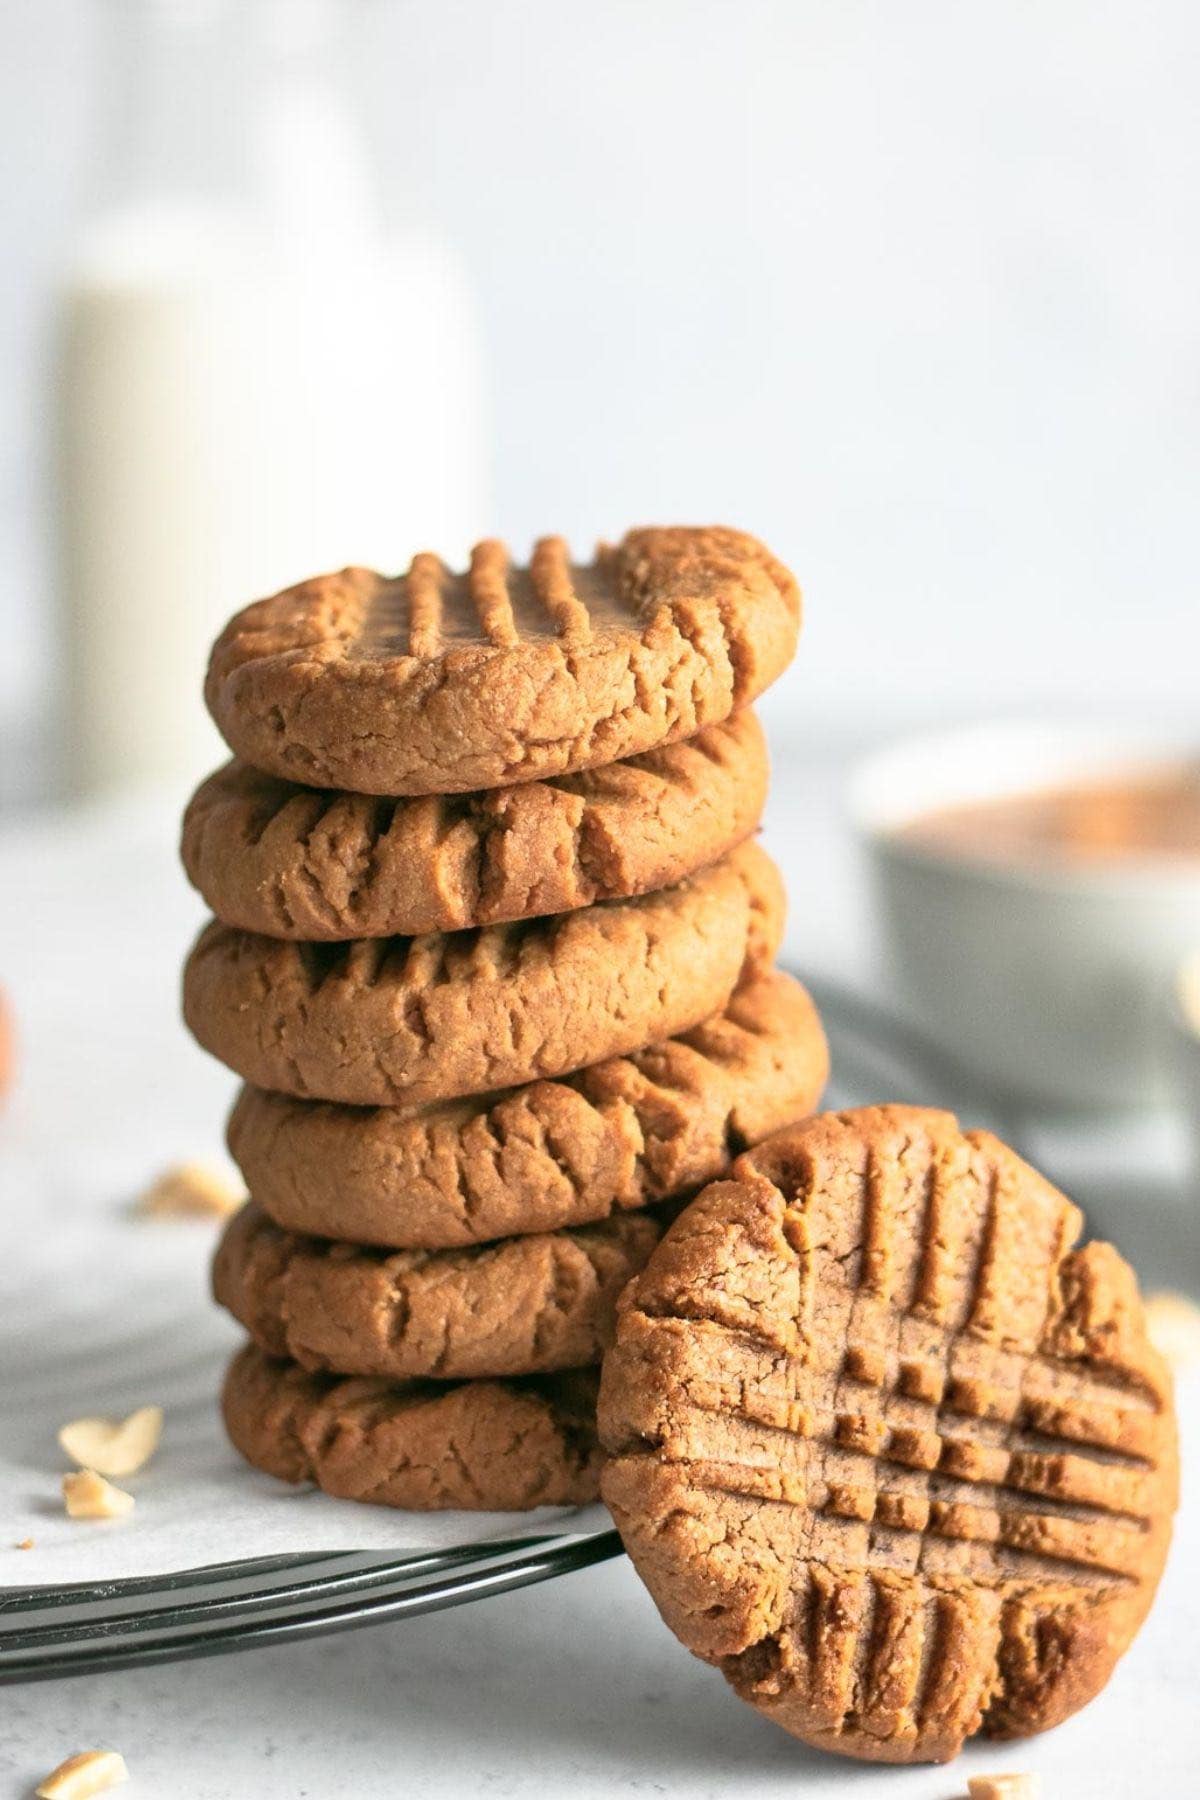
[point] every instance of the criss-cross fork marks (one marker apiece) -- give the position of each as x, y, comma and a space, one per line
421, 964
699, 770
931, 1548
427, 578
495, 603
902, 1376
886, 1656
958, 1463
912, 1438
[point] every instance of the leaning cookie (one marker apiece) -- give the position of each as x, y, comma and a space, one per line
406, 1021
484, 1446
294, 862
884, 1447
524, 1306
621, 1134
437, 683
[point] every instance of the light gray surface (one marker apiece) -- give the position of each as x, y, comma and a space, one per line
574, 1688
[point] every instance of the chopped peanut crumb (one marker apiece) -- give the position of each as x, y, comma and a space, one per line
113, 1447
1173, 1325
88, 1496
190, 1190
1002, 1787
91, 1772
1189, 992
23, 1544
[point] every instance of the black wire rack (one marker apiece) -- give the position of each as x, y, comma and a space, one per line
88, 1627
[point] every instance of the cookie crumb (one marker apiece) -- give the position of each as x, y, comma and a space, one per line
1002, 1787
1173, 1327
87, 1495
113, 1447
90, 1772
190, 1190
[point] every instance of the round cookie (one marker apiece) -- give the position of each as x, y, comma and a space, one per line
295, 862
524, 1306
392, 1021
884, 1447
436, 683
483, 1446
621, 1134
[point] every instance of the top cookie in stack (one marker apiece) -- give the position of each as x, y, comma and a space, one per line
493, 953
443, 684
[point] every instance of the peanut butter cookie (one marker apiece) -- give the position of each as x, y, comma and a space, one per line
621, 1134
523, 1306
885, 1447
441, 684
294, 862
484, 1446
395, 1021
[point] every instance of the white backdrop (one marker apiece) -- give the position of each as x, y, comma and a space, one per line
912, 290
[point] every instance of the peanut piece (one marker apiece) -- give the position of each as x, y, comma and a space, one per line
91, 1772
190, 1190
1189, 992
88, 1496
113, 1447
1002, 1787
1173, 1326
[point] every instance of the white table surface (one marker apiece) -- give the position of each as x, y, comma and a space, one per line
573, 1687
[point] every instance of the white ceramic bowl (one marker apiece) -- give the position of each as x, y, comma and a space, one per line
1047, 980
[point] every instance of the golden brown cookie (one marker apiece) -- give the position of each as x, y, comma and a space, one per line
523, 1306
441, 684
485, 1446
295, 862
884, 1447
394, 1021
621, 1134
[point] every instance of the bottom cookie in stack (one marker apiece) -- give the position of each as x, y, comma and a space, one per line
483, 1446
421, 1367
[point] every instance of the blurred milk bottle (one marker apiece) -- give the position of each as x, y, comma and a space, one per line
254, 382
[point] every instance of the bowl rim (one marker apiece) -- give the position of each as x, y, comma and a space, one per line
1009, 756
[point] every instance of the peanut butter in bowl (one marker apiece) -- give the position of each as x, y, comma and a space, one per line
1140, 816
1036, 888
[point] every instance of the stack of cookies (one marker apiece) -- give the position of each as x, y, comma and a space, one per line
493, 954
